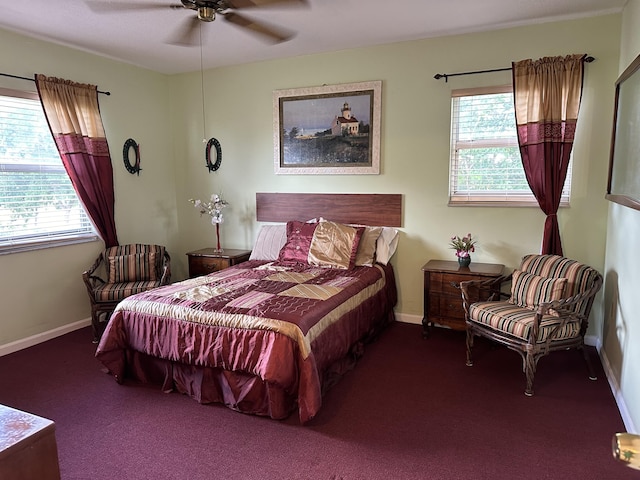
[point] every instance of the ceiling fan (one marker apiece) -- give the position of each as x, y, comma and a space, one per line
206, 11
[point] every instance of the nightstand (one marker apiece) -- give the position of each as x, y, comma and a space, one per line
442, 296
207, 260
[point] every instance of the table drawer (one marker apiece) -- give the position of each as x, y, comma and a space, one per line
442, 293
446, 306
204, 266
451, 283
451, 307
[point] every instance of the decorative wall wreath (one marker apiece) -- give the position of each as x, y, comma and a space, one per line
218, 160
128, 145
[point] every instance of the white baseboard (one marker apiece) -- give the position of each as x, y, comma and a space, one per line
408, 318
615, 389
43, 337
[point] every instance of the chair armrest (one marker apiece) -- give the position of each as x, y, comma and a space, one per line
472, 289
565, 312
91, 280
563, 306
95, 265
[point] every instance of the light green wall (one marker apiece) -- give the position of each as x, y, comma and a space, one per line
43, 290
622, 277
414, 144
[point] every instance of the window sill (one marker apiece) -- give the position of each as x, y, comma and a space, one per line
499, 204
26, 247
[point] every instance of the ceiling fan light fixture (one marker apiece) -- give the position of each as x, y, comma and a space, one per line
206, 14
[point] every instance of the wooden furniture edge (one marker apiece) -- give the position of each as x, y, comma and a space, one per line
361, 208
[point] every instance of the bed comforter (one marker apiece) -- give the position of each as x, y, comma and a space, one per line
262, 338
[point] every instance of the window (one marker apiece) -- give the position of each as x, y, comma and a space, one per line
485, 164
38, 205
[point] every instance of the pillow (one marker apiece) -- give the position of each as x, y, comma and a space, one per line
296, 248
365, 256
271, 239
529, 291
334, 245
136, 267
386, 245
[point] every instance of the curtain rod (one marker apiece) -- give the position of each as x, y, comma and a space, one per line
446, 76
33, 80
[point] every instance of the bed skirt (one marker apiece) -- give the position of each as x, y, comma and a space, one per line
240, 391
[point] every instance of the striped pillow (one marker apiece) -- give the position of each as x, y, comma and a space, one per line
529, 291
136, 267
579, 277
271, 239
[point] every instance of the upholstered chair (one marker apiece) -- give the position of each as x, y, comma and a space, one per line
120, 272
547, 310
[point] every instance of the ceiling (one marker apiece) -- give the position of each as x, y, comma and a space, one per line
141, 37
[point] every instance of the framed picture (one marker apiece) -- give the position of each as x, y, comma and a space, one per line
332, 129
623, 186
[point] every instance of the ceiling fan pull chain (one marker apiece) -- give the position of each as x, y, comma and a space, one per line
204, 118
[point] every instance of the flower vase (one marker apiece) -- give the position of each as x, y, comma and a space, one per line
218, 249
464, 261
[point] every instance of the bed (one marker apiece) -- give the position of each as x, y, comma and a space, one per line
269, 336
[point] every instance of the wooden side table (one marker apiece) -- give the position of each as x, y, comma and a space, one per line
442, 296
207, 260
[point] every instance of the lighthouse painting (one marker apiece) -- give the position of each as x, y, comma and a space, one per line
328, 130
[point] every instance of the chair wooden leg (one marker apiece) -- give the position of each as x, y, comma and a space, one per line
469, 347
529, 371
95, 319
592, 372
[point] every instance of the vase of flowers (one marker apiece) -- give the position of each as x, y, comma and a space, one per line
463, 247
213, 208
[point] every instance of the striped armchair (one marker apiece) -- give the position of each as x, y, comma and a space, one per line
548, 310
121, 271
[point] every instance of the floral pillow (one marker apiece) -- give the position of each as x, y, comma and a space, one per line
529, 291
299, 236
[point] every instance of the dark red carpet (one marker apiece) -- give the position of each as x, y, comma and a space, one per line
411, 409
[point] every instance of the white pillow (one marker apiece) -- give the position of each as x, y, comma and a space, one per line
386, 245
271, 239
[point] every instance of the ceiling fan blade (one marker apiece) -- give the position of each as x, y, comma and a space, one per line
190, 4
188, 35
275, 35
237, 4
107, 7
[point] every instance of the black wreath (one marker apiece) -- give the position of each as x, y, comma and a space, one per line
215, 165
128, 145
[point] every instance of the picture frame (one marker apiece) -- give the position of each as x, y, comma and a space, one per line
623, 184
328, 130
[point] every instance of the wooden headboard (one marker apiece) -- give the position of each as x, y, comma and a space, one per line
361, 208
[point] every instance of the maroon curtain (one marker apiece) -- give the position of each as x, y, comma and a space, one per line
74, 118
547, 95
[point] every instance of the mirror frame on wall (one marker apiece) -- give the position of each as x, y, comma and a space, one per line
623, 184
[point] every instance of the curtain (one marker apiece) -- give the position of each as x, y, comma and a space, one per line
73, 115
547, 95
